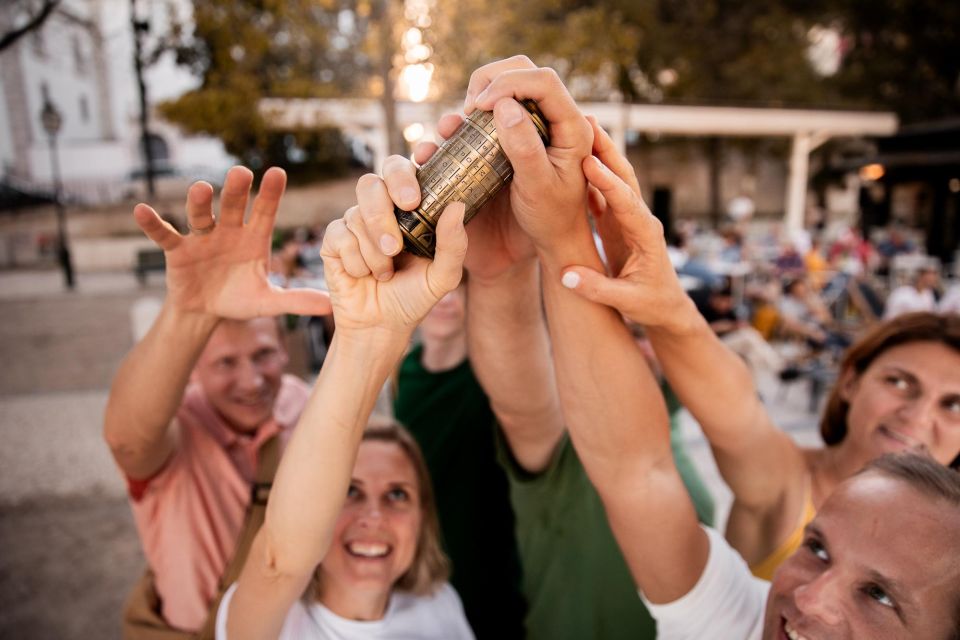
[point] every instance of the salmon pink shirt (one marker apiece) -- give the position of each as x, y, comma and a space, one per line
190, 513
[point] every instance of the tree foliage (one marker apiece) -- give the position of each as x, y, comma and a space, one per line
245, 50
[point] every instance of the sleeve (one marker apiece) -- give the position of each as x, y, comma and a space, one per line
452, 607
725, 597
222, 612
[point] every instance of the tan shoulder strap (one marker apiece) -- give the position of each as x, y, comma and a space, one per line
267, 463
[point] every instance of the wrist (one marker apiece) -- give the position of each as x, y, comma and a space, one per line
188, 322
373, 340
518, 270
683, 320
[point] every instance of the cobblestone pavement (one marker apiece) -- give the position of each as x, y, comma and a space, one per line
70, 550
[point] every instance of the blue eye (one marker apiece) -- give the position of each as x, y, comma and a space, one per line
398, 495
353, 491
813, 545
876, 593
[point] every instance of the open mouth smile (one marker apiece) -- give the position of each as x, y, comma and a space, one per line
792, 633
368, 550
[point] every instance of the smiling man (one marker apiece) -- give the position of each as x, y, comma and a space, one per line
196, 402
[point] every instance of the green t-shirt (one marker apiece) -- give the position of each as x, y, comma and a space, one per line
450, 417
575, 577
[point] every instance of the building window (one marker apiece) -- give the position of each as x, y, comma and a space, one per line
84, 110
38, 43
79, 57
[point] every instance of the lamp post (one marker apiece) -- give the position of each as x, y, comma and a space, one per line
52, 121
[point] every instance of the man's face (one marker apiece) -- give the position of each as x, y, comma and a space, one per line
240, 371
881, 560
447, 318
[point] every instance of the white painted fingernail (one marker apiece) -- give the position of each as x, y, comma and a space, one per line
388, 244
570, 279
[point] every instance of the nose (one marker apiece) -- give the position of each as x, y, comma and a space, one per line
819, 599
249, 376
918, 414
370, 513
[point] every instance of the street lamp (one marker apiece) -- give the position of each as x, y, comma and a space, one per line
52, 121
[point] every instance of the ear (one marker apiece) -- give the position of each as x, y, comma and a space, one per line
847, 384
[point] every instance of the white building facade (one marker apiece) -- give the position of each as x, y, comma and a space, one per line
81, 60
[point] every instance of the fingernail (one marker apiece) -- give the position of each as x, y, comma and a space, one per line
570, 279
511, 113
386, 275
388, 244
409, 194
601, 166
468, 102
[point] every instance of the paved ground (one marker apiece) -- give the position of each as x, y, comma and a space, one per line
69, 547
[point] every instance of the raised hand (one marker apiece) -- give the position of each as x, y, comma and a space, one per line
362, 297
548, 192
220, 267
644, 287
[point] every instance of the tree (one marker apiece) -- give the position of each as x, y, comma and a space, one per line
27, 16
900, 56
248, 49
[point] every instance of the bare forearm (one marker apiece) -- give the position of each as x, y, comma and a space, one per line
315, 472
510, 353
611, 403
149, 386
617, 420
716, 386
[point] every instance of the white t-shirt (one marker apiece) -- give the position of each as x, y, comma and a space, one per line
727, 601
906, 299
409, 617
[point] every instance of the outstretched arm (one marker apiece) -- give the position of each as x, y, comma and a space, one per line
375, 320
611, 403
508, 342
220, 273
760, 463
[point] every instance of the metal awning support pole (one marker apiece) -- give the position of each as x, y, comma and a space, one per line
797, 182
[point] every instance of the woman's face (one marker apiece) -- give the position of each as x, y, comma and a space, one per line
908, 398
375, 538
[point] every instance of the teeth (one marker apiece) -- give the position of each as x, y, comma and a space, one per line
792, 633
368, 549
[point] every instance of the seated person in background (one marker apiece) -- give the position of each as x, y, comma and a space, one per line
202, 402
803, 314
898, 389
920, 295
878, 561
350, 546
718, 309
575, 578
441, 403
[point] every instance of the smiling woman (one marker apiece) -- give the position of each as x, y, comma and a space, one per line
349, 547
387, 532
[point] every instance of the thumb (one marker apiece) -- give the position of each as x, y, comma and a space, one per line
520, 141
444, 273
596, 287
300, 301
